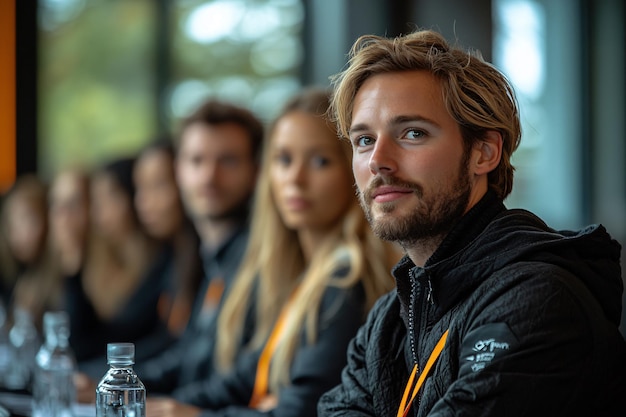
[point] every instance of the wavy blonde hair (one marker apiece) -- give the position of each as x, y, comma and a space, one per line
274, 265
475, 93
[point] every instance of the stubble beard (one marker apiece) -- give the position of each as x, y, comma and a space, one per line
238, 210
432, 218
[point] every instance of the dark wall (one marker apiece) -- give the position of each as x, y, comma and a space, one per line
331, 27
469, 22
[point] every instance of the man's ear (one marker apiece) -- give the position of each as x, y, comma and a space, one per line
487, 153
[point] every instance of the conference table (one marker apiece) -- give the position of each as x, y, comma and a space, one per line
20, 405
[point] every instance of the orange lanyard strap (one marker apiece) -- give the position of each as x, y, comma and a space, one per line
213, 294
263, 366
403, 410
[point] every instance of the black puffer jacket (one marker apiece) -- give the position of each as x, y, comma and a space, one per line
533, 319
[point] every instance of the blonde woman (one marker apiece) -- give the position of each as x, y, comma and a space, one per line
311, 272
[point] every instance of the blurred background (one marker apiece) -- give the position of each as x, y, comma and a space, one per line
84, 80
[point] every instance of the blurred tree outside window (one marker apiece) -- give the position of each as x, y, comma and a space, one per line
95, 82
245, 51
98, 77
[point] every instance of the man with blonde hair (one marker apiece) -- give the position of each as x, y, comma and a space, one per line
495, 313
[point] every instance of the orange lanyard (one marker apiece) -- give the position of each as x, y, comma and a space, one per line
213, 294
404, 408
263, 366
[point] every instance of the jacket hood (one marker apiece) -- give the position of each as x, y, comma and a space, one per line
490, 237
589, 254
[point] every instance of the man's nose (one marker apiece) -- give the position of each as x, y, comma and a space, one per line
383, 157
210, 171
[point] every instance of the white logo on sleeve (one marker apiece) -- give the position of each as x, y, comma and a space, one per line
485, 350
485, 345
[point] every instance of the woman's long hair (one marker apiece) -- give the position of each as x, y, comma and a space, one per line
32, 285
274, 265
185, 245
114, 269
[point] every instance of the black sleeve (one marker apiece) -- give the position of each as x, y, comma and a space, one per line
160, 374
352, 396
544, 356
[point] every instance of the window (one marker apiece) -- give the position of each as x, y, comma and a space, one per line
112, 76
547, 79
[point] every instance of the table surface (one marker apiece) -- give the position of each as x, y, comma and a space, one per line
20, 405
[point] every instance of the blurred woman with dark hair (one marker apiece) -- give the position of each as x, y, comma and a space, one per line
118, 278
68, 200
162, 215
25, 260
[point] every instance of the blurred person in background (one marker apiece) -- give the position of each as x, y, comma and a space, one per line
162, 215
312, 270
7, 264
69, 208
117, 276
217, 154
69, 218
26, 262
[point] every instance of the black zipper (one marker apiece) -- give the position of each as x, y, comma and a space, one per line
412, 307
423, 319
430, 292
412, 300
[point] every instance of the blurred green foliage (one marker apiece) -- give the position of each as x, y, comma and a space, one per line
96, 85
99, 69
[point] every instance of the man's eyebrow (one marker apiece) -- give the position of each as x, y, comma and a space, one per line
413, 118
361, 127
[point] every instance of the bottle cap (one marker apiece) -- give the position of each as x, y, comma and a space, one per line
121, 353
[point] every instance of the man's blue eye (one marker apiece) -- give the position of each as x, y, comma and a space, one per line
364, 141
415, 134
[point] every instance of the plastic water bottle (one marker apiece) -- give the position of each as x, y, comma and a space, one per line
120, 392
25, 343
54, 393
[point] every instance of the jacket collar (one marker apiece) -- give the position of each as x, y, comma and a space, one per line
447, 288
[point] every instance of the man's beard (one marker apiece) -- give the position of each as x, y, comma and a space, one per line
433, 216
238, 212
